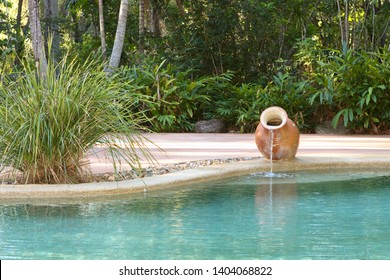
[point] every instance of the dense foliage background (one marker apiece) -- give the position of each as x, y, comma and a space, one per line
189, 60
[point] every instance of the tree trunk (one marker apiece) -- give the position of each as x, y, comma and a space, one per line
155, 21
19, 44
37, 38
180, 6
102, 32
340, 23
119, 36
52, 37
141, 43
346, 23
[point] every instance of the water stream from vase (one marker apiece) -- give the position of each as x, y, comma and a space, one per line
271, 151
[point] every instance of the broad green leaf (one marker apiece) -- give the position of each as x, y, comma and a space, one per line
336, 118
350, 111
366, 123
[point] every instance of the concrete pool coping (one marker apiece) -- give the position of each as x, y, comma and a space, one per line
315, 152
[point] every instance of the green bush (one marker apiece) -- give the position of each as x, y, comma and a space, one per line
287, 91
242, 105
356, 86
239, 106
47, 126
170, 98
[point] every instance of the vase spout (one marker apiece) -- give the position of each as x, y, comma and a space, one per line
273, 118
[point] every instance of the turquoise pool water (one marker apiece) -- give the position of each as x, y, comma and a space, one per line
303, 215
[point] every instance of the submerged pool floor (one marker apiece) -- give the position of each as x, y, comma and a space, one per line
302, 215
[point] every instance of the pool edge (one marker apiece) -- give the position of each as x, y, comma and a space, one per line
182, 178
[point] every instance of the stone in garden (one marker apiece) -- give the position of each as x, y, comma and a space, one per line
327, 128
211, 126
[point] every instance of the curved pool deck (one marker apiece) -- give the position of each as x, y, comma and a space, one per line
314, 152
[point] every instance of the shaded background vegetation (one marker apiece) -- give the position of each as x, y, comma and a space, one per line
192, 60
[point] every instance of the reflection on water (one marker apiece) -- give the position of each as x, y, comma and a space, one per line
250, 217
274, 203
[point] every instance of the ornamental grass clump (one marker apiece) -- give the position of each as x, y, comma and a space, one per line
48, 125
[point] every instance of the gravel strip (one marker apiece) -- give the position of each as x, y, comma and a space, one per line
9, 179
165, 169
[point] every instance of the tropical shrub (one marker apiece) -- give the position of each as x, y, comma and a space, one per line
47, 126
356, 86
170, 98
242, 105
239, 106
287, 91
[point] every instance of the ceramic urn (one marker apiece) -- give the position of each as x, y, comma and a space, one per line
277, 130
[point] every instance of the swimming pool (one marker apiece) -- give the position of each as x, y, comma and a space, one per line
301, 215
